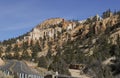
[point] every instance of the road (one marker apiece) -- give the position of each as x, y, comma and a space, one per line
15, 66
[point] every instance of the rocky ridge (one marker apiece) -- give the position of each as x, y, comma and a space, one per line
59, 30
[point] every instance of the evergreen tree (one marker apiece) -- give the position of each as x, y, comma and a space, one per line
16, 48
106, 13
25, 45
25, 55
8, 49
16, 55
35, 49
42, 62
59, 65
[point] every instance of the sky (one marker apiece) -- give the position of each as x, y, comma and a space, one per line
20, 16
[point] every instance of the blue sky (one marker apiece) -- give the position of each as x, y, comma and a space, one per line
20, 16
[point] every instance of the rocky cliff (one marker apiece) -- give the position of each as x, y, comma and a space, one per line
59, 30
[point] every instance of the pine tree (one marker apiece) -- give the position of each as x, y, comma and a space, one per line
8, 49
16, 48
42, 62
35, 49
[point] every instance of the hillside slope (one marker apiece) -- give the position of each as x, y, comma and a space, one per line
58, 45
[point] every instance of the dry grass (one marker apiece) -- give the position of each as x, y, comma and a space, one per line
2, 75
1, 62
